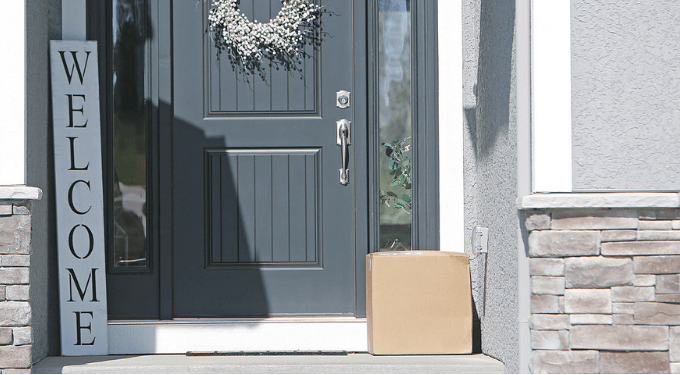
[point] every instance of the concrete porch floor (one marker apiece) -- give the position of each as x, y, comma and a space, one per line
352, 363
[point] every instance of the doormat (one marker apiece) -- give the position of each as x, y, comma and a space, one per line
266, 353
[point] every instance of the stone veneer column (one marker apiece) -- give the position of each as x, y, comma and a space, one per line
605, 282
15, 252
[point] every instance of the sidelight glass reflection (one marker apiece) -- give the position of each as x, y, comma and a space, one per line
394, 75
129, 34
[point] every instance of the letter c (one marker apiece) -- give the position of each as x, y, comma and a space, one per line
70, 197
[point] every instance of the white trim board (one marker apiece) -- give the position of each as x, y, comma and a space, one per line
452, 236
267, 334
13, 93
551, 95
599, 200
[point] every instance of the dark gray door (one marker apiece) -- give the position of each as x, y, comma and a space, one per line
260, 224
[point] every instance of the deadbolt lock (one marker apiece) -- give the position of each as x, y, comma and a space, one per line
343, 99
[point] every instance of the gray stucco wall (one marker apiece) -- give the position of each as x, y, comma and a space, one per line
43, 18
625, 94
490, 170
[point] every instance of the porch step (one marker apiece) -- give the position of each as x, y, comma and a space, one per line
352, 363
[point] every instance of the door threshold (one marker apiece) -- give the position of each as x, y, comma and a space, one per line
267, 353
180, 336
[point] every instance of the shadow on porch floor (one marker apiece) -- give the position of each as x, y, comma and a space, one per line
352, 363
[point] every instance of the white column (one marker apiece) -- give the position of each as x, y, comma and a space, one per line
73, 20
551, 94
451, 195
13, 93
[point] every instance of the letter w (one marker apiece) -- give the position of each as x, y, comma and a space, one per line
76, 65
72, 279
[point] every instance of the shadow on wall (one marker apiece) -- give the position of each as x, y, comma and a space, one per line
490, 181
476, 330
490, 118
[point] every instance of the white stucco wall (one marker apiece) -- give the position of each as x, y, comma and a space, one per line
12, 93
626, 94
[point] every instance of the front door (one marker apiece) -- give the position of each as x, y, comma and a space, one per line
261, 225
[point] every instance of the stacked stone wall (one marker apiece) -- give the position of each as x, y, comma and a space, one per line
605, 290
15, 309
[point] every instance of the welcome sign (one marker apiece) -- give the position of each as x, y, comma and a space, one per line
79, 196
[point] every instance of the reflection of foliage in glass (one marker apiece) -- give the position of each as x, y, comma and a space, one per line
129, 46
129, 156
129, 149
400, 170
130, 33
129, 232
394, 74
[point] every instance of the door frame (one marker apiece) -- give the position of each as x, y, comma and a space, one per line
425, 118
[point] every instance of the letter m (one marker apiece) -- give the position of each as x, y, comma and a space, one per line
75, 65
73, 280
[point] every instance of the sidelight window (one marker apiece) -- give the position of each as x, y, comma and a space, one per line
395, 124
129, 118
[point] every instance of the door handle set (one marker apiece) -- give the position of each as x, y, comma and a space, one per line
343, 132
343, 139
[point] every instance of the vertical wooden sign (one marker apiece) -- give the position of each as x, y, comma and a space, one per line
79, 197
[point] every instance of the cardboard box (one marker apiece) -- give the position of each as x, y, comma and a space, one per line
418, 302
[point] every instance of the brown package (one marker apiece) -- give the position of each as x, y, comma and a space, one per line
418, 302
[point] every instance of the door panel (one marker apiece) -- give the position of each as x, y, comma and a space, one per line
261, 226
257, 229
282, 92
231, 95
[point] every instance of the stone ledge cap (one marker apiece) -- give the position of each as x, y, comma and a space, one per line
599, 200
20, 192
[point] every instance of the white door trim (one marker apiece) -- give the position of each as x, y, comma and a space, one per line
247, 334
451, 127
13, 93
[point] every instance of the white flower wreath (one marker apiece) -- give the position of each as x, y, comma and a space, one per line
282, 39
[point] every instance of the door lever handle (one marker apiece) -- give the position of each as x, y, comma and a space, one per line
343, 140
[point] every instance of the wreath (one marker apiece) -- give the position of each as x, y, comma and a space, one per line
282, 40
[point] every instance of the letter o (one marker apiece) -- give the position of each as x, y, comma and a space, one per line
70, 241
